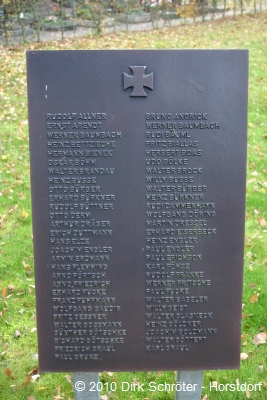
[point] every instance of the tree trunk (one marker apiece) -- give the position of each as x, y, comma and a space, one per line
37, 21
61, 19
19, 11
6, 30
73, 8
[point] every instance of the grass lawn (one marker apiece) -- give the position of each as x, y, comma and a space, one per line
18, 350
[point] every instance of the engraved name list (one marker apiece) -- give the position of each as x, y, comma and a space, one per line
86, 317
178, 211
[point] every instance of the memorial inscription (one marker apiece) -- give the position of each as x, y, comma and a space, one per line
177, 215
80, 286
138, 193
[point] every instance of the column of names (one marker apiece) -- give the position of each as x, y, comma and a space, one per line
86, 316
178, 212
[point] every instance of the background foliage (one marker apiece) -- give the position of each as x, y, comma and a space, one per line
22, 19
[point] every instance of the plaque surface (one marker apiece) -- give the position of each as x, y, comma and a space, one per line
138, 193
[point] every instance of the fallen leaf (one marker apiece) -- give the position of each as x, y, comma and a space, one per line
25, 214
110, 373
68, 378
244, 316
31, 398
33, 371
35, 377
260, 338
252, 285
262, 221
25, 265
4, 292
260, 368
27, 381
247, 394
9, 374
254, 298
17, 334
243, 356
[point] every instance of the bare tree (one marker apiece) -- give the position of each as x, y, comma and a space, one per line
73, 8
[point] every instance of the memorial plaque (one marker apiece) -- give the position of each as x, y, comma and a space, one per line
138, 192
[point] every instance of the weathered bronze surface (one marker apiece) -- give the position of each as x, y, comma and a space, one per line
138, 193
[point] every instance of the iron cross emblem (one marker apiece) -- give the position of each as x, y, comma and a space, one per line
138, 80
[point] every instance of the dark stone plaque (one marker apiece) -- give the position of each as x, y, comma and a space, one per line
138, 192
